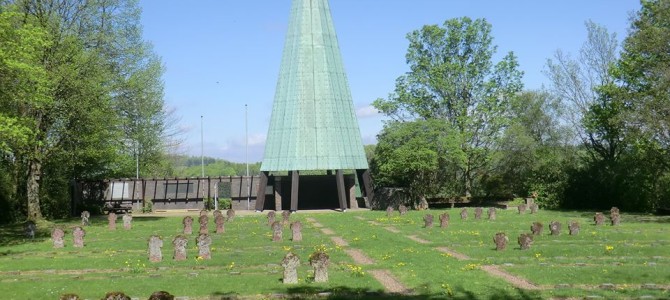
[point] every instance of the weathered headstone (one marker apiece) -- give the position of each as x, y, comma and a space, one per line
78, 233
127, 221
277, 228
57, 235
286, 217
428, 221
402, 209
492, 213
533, 208
116, 296
69, 297
444, 220
155, 245
203, 212
573, 226
319, 261
179, 242
30, 229
85, 216
188, 224
615, 217
291, 262
271, 218
522, 208
161, 295
555, 227
500, 239
464, 214
599, 218
423, 204
389, 211
220, 221
216, 213
296, 231
111, 219
230, 214
204, 241
525, 240
536, 228
478, 213
204, 222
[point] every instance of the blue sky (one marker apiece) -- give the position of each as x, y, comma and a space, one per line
222, 54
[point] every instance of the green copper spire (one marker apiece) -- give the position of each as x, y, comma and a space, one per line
313, 124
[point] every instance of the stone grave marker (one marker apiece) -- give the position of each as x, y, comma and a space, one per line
127, 221
573, 226
536, 228
599, 218
533, 208
492, 213
319, 261
230, 214
85, 216
111, 219
161, 295
555, 227
188, 224
615, 217
444, 220
525, 240
155, 245
286, 217
271, 218
30, 229
204, 241
57, 235
423, 204
220, 223
500, 239
204, 221
179, 242
389, 211
116, 296
78, 234
203, 212
291, 262
428, 221
464, 214
277, 228
296, 231
402, 209
478, 213
217, 213
522, 208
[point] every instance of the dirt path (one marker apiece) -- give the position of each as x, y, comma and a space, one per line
514, 280
339, 241
453, 253
390, 283
392, 229
359, 257
418, 239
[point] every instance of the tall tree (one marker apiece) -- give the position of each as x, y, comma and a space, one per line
452, 78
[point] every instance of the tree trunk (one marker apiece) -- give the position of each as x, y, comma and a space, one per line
33, 189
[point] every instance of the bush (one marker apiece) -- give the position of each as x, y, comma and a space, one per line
147, 206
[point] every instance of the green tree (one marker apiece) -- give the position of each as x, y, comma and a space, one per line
453, 79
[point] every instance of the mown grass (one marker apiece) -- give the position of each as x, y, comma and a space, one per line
246, 262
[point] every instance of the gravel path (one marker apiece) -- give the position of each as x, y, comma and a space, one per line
392, 229
359, 257
453, 253
327, 231
418, 239
339, 241
514, 280
390, 283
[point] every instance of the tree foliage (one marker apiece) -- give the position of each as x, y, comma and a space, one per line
453, 79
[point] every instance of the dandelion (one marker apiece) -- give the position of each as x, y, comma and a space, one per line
538, 255
609, 248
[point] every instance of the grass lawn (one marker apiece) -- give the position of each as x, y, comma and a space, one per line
631, 260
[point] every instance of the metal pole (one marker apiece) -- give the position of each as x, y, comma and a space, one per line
202, 150
246, 154
137, 159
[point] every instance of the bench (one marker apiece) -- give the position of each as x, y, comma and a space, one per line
117, 207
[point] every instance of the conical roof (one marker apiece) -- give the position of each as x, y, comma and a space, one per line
313, 124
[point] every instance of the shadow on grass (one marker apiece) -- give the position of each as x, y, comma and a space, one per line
628, 217
342, 292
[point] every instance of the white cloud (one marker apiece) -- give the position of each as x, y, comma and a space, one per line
366, 111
